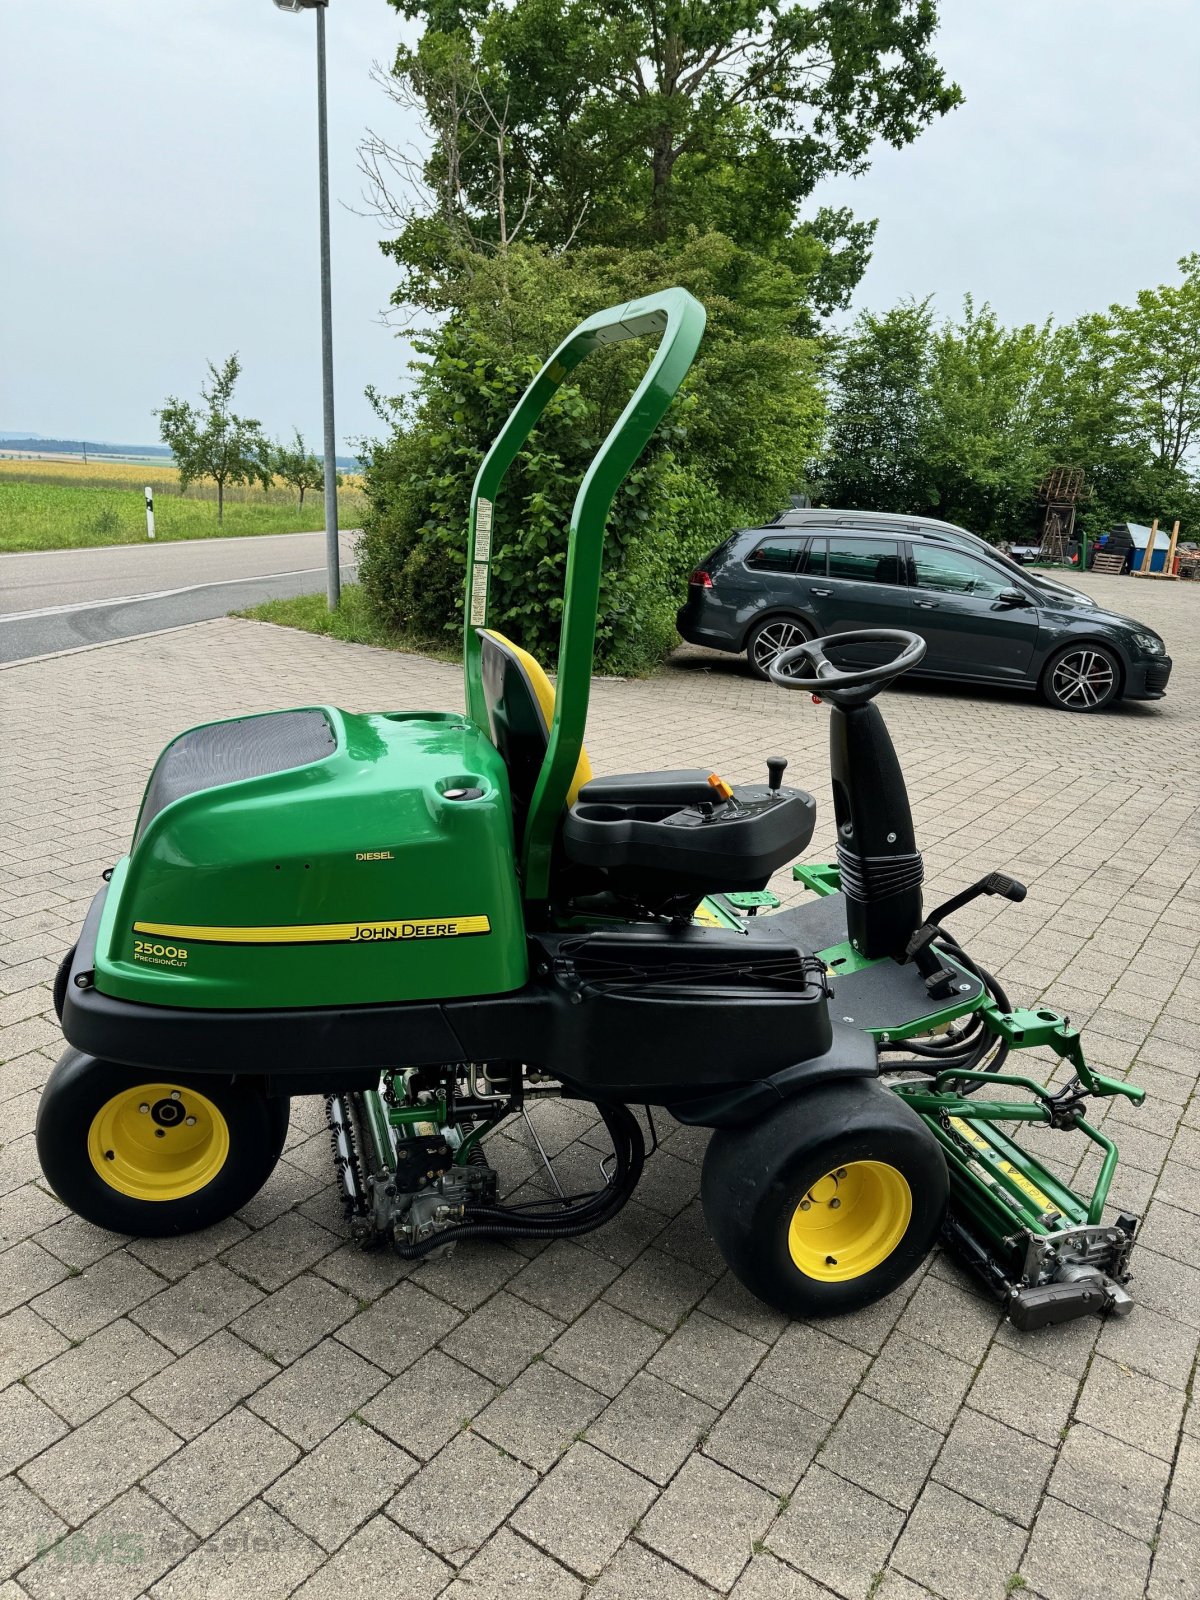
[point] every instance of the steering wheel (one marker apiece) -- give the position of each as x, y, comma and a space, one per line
826, 677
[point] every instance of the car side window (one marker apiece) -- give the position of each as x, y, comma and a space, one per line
866, 560
952, 572
777, 555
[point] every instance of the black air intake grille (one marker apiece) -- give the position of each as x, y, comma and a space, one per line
228, 751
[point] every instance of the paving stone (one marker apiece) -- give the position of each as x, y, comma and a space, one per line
116, 1555
1111, 1481
652, 1427
380, 1559
174, 1257
708, 1359
956, 1547
951, 1318
257, 1553
27, 1427
584, 1509
502, 1337
668, 1184
459, 1500
812, 1370
730, 1301
26, 1343
96, 1462
1066, 1349
1152, 1344
1175, 1574
1026, 1395
766, 1439
346, 1479
1131, 1406
688, 1238
196, 1306
427, 1405
471, 1274
604, 1348
214, 1476
1168, 1287
623, 1239
881, 1450
274, 1254
564, 1279
835, 1532
539, 1414
28, 1529
659, 1289
26, 1270
1072, 1556
366, 1274
91, 1375
708, 1521
508, 1566
84, 1303
1185, 1480
26, 1211
924, 1383
80, 1244
310, 1398
636, 1573
208, 1381
769, 1579
1003, 1470
293, 1319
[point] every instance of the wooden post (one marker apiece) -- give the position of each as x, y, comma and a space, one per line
1150, 542
1169, 569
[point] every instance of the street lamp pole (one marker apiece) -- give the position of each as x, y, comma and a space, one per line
332, 564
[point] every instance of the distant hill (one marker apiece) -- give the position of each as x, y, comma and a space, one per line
38, 444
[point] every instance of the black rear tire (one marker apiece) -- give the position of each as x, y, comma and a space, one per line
829, 1203
1083, 677
153, 1173
769, 638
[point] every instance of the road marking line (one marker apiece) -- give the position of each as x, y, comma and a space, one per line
154, 594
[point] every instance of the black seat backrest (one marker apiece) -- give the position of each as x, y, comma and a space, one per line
520, 702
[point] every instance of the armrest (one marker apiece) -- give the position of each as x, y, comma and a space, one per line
686, 786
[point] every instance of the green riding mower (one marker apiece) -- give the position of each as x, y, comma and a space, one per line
435, 919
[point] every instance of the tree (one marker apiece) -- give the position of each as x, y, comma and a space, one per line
1153, 347
296, 464
210, 440
636, 121
728, 452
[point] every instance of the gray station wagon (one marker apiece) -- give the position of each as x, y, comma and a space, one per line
983, 617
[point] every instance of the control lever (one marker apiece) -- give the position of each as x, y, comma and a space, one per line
775, 770
995, 883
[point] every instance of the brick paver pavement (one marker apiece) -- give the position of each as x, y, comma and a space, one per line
261, 1410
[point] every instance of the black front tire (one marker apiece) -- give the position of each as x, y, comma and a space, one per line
852, 1139
769, 638
1083, 677
227, 1152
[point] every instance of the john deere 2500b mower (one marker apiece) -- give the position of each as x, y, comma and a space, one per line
434, 918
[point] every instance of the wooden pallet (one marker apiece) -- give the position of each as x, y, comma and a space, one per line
1111, 564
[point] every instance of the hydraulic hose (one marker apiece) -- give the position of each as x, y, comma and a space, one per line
490, 1222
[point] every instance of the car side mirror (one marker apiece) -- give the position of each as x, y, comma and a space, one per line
1013, 597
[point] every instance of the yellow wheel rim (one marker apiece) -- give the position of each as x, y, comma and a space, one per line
158, 1141
850, 1221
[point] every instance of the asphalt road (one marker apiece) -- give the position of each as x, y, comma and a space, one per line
62, 599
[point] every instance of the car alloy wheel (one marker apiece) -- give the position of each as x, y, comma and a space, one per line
1083, 679
771, 640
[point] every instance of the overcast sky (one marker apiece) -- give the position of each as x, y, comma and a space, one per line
158, 192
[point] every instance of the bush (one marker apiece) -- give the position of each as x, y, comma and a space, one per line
728, 452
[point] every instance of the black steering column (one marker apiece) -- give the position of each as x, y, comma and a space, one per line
881, 867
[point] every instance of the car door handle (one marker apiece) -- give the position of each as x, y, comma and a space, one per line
822, 592
926, 605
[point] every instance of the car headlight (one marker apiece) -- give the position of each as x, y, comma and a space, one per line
1149, 643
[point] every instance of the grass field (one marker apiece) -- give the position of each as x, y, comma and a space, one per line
61, 505
351, 622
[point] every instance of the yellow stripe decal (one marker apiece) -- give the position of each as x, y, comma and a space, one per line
322, 932
1026, 1185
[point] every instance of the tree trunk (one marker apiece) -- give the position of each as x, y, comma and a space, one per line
662, 162
302, 497
220, 501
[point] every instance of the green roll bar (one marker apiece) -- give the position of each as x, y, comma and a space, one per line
678, 319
